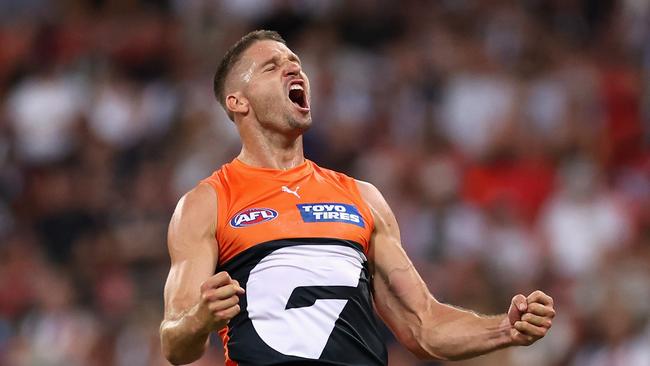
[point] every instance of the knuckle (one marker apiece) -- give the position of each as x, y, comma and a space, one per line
222, 276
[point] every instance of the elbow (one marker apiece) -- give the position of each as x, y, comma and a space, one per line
168, 351
173, 358
432, 347
174, 354
178, 358
425, 348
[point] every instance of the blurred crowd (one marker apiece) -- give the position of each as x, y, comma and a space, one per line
511, 138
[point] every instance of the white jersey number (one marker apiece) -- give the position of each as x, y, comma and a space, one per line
284, 315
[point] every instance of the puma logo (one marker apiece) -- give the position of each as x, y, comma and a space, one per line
287, 190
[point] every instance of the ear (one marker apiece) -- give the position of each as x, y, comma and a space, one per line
237, 103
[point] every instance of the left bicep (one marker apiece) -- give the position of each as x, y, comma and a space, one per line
401, 297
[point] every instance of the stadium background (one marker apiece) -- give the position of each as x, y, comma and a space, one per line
510, 137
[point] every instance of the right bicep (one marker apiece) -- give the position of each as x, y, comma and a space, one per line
192, 249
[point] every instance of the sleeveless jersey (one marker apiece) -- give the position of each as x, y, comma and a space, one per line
296, 241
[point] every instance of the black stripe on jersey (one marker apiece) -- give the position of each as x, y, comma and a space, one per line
307, 363
259, 251
355, 339
306, 296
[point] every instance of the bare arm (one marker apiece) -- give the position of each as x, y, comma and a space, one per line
196, 301
427, 327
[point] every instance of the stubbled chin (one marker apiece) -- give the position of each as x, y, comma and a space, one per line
302, 124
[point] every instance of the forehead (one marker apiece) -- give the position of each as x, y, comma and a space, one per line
261, 51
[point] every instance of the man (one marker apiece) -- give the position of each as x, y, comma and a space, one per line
303, 254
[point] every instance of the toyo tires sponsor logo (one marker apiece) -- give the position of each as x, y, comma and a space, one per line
252, 216
331, 212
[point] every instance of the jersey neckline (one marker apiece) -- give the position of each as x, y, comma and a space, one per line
297, 172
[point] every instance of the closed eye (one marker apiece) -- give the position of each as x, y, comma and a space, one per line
269, 68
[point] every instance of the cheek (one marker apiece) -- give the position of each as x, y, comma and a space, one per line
265, 97
307, 82
268, 93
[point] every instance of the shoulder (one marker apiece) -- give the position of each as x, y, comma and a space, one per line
196, 207
368, 190
371, 195
373, 198
192, 227
200, 196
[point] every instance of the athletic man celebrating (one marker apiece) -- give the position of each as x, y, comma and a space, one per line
302, 254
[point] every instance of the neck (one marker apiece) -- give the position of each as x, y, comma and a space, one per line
272, 150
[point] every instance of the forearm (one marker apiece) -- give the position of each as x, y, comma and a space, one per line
430, 329
456, 334
421, 323
183, 340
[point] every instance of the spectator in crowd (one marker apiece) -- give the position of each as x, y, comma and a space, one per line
514, 141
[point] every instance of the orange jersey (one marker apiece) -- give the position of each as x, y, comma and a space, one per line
337, 209
296, 240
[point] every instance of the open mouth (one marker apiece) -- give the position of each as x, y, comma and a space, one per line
298, 96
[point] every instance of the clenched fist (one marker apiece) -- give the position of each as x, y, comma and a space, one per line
530, 317
219, 301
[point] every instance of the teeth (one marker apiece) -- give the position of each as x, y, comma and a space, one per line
296, 87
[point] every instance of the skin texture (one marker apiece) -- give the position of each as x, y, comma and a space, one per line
198, 302
428, 328
269, 124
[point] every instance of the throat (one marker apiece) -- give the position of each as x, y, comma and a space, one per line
271, 156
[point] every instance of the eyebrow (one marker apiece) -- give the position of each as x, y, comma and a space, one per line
295, 57
275, 59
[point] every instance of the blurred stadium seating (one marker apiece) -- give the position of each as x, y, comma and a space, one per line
512, 139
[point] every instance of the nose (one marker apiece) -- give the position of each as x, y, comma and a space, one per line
292, 68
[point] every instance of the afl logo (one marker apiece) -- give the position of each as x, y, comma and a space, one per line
253, 216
